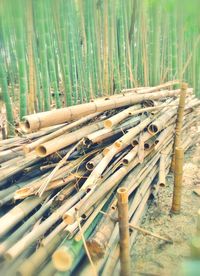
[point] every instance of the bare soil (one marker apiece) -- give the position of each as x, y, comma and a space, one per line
151, 256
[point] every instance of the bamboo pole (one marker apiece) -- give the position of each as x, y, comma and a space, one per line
48, 118
33, 263
9, 220
56, 133
65, 140
178, 175
31, 237
179, 122
122, 204
162, 170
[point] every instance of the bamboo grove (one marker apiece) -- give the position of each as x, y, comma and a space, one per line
56, 53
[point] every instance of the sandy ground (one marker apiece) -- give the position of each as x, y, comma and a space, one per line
153, 257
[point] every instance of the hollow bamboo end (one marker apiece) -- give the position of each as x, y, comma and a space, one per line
152, 129
25, 126
62, 260
118, 144
125, 162
108, 124
89, 166
41, 151
122, 195
68, 219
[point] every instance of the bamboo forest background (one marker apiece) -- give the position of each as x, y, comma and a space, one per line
55, 53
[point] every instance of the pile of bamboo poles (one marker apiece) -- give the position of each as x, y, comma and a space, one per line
58, 184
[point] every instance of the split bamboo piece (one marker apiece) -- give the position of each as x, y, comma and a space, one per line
122, 204
178, 176
40, 120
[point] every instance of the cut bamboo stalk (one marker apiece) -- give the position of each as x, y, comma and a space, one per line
56, 231
36, 121
91, 218
128, 137
116, 119
63, 130
69, 254
65, 140
31, 237
178, 176
94, 161
9, 220
162, 170
179, 122
130, 156
15, 236
122, 204
33, 263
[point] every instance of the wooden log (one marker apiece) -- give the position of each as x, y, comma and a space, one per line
178, 176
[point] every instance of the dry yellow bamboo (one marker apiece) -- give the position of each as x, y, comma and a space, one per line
61, 131
31, 237
122, 204
66, 140
117, 118
178, 175
162, 170
130, 156
48, 118
126, 140
179, 122
32, 264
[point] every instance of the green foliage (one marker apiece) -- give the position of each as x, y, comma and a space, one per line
88, 48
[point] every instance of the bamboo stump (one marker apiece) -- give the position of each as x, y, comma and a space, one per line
122, 195
178, 177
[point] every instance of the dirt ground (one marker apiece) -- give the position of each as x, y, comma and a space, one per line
153, 257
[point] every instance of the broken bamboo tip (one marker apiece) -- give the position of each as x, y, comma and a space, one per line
184, 86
